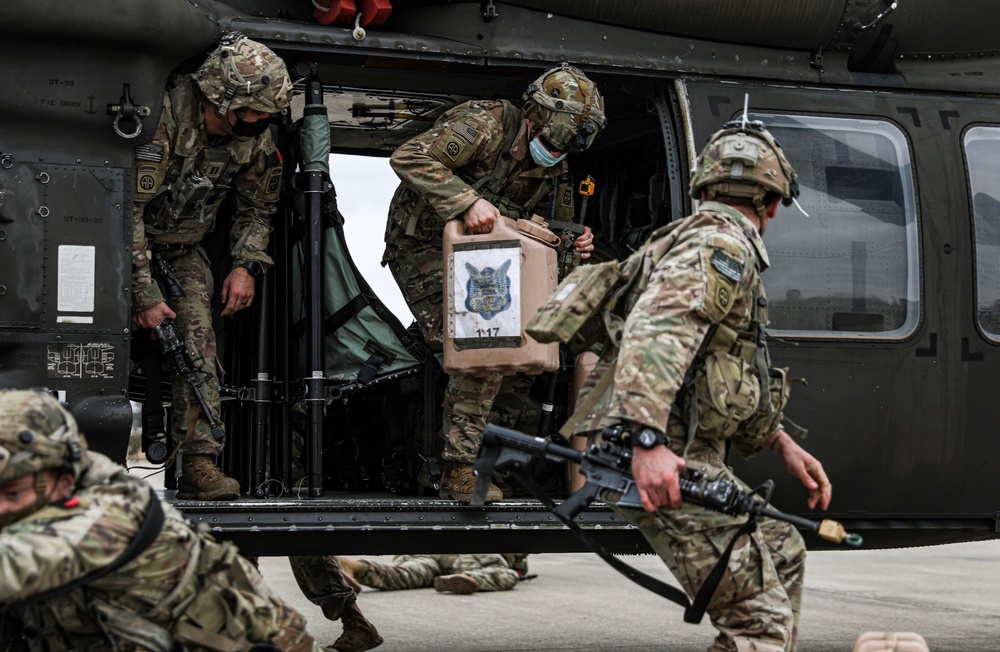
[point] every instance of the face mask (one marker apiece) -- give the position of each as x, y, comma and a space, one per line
246, 130
542, 155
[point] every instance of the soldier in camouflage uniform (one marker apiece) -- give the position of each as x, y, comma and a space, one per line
211, 145
481, 160
71, 575
684, 379
446, 573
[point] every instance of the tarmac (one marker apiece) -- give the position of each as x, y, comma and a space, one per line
948, 594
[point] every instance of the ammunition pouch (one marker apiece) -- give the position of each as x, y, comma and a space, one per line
762, 423
572, 314
726, 391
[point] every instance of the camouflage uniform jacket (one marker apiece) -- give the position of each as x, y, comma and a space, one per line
446, 169
164, 585
169, 208
709, 275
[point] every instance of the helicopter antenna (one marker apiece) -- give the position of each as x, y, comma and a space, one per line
746, 104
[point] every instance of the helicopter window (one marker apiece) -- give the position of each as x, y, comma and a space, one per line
984, 180
849, 268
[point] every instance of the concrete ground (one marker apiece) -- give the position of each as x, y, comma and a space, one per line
949, 594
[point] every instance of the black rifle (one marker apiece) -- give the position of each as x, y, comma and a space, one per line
173, 345
608, 468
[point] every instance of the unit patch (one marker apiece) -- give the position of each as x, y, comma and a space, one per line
148, 152
723, 297
727, 265
453, 149
145, 178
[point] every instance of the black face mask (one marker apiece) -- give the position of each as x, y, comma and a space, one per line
250, 129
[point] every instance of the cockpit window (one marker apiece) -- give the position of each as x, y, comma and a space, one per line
984, 180
849, 269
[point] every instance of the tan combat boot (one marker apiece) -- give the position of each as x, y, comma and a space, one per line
353, 570
359, 634
201, 479
458, 482
459, 583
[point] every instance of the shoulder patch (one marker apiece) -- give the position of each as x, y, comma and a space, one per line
727, 265
148, 152
465, 131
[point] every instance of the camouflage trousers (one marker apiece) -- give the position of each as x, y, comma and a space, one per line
756, 605
322, 581
194, 324
469, 402
490, 572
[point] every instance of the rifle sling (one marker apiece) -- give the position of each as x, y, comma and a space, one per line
693, 611
151, 527
647, 582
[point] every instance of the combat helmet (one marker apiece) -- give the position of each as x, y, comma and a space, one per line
568, 106
244, 73
743, 159
37, 433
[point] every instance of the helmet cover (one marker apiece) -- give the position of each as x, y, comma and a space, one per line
567, 106
744, 160
244, 73
37, 433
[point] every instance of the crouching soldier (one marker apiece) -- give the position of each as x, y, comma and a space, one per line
91, 560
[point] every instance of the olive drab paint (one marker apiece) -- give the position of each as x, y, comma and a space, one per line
494, 283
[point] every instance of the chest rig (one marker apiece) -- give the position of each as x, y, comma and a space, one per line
198, 176
492, 186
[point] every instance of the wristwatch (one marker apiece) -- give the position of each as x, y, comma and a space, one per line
648, 438
254, 267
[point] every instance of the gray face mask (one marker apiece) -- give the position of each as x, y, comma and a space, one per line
542, 155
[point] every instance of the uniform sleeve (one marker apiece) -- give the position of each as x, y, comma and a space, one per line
256, 191
58, 545
150, 166
663, 332
426, 163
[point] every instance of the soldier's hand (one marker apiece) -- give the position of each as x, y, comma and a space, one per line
237, 291
151, 317
479, 217
657, 476
805, 467
584, 243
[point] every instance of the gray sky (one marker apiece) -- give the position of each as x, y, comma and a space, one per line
364, 187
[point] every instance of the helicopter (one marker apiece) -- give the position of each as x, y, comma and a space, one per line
885, 287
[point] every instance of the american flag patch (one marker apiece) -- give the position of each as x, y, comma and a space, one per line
466, 132
149, 152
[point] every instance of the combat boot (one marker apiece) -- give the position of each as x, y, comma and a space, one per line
459, 583
505, 488
201, 479
458, 482
358, 635
352, 570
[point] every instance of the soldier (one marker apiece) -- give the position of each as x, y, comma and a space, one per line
463, 574
481, 160
685, 382
330, 587
91, 559
211, 145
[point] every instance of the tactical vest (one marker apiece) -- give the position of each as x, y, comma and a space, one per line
729, 386
492, 187
199, 176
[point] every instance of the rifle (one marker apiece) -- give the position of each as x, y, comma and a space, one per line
608, 468
173, 345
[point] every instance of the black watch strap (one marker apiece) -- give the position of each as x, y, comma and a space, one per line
646, 437
254, 267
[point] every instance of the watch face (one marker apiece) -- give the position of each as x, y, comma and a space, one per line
647, 438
